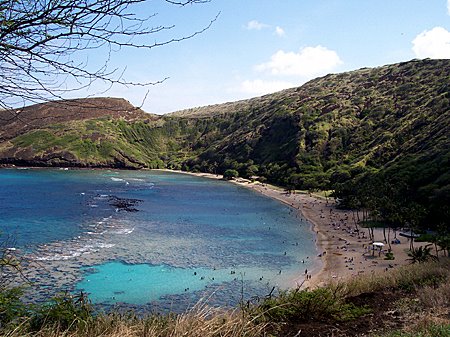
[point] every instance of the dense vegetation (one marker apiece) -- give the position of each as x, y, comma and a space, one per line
378, 137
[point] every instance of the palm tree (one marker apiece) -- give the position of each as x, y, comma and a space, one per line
421, 254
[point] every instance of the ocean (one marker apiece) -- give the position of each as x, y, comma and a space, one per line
150, 240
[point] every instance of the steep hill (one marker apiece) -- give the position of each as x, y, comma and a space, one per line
369, 116
391, 124
15, 122
66, 133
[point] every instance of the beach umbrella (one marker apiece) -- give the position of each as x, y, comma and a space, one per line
379, 245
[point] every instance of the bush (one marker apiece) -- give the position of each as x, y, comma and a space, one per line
11, 307
421, 255
230, 174
63, 311
308, 305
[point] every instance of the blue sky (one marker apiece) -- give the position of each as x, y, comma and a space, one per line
257, 47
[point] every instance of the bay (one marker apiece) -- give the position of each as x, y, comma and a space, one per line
150, 238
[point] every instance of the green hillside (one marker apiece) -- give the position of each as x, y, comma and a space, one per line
379, 137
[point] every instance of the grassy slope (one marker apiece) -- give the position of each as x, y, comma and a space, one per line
367, 117
370, 117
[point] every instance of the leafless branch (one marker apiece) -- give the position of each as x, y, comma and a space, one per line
40, 38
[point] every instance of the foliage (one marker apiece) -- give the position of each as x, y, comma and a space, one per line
421, 254
11, 307
64, 311
230, 174
306, 305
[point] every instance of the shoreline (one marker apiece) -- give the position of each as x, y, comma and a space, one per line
344, 249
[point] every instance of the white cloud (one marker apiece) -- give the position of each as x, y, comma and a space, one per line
280, 31
308, 62
261, 87
434, 43
256, 25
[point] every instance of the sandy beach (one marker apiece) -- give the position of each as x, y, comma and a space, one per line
345, 250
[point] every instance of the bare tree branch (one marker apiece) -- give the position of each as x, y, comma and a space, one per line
39, 40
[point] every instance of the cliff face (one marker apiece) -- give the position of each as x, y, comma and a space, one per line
390, 119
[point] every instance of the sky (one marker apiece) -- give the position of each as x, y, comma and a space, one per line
256, 47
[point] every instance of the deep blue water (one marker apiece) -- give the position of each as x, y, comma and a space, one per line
181, 236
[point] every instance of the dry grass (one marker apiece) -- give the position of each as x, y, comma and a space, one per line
206, 321
200, 321
406, 277
432, 297
425, 326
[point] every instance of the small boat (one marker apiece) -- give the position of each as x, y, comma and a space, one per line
409, 235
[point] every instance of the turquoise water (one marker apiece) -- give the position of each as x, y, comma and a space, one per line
143, 283
179, 238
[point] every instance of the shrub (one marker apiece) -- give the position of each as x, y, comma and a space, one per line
306, 305
421, 254
11, 307
64, 312
230, 174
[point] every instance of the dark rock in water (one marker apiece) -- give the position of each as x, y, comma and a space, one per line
124, 204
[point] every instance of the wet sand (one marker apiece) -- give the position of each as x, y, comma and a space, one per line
344, 248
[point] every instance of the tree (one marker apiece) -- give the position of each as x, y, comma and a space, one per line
421, 254
230, 174
40, 38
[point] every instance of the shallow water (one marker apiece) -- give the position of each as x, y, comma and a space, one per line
183, 238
